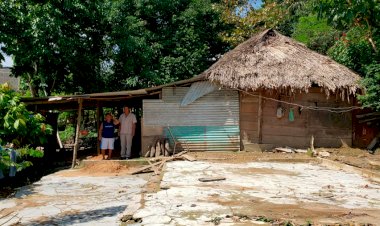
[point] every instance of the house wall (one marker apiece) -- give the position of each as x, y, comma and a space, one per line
327, 128
5, 76
209, 123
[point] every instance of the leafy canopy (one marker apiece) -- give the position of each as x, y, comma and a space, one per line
70, 46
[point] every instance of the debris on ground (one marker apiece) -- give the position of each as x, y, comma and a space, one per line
323, 154
209, 179
290, 150
156, 164
286, 150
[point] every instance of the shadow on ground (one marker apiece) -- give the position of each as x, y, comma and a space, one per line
75, 217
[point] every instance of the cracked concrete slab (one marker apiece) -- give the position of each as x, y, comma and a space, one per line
80, 200
257, 188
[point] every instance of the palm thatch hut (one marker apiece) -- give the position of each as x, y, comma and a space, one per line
269, 91
287, 92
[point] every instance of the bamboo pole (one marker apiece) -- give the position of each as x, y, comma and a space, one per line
260, 119
76, 144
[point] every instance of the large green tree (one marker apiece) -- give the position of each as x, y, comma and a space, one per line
358, 46
103, 45
160, 41
57, 45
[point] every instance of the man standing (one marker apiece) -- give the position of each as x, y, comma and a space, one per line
127, 131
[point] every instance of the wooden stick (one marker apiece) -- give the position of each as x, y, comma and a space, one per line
155, 169
260, 119
145, 168
76, 144
209, 179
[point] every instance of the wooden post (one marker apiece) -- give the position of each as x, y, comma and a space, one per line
76, 144
260, 119
97, 126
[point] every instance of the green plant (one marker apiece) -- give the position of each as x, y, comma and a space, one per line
21, 162
264, 219
20, 129
372, 84
308, 223
67, 134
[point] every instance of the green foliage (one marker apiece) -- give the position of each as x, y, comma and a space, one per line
372, 82
21, 162
346, 15
18, 125
281, 15
353, 50
264, 219
122, 44
157, 42
315, 33
19, 129
67, 134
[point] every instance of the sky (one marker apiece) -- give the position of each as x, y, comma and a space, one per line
256, 3
8, 62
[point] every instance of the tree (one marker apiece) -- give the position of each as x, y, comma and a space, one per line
57, 45
346, 14
69, 46
281, 15
156, 42
19, 129
315, 33
372, 82
358, 46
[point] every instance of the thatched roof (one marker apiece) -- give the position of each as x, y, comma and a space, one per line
270, 60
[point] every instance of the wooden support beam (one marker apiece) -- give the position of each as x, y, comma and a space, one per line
76, 144
260, 119
98, 125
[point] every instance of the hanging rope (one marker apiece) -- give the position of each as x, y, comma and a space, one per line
314, 108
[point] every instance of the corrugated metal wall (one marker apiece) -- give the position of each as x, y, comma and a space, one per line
209, 123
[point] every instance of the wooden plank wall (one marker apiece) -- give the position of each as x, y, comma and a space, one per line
327, 128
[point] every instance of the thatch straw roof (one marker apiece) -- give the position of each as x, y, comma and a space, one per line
270, 60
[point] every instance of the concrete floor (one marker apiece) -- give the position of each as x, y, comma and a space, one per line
79, 200
258, 188
251, 193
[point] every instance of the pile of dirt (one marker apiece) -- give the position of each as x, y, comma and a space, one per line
356, 157
99, 168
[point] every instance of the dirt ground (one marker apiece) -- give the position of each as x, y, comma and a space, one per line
351, 156
99, 169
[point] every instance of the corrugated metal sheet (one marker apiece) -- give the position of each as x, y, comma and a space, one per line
209, 123
207, 138
197, 90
